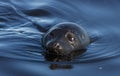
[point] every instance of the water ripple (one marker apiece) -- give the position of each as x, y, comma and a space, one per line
20, 39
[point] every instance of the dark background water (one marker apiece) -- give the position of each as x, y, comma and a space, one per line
22, 23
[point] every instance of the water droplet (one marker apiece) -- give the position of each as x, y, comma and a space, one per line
100, 68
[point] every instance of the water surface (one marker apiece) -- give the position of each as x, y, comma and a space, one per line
23, 22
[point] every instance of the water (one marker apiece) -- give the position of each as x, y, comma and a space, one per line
23, 22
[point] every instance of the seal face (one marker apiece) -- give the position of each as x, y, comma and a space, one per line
64, 38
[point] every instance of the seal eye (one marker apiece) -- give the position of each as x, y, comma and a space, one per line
51, 35
70, 37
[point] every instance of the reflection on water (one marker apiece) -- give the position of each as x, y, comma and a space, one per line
62, 58
60, 66
23, 22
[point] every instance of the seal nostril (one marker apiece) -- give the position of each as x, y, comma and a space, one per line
57, 46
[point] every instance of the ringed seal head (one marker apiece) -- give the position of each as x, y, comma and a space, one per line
65, 38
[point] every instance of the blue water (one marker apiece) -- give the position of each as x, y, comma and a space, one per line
23, 22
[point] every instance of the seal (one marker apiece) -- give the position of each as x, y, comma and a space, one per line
65, 38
